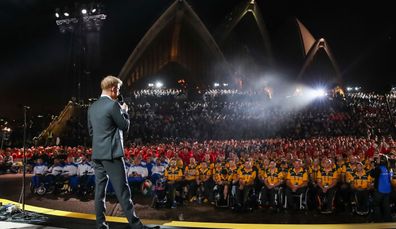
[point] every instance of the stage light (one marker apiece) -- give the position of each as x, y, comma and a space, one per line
349, 89
225, 84
159, 84
216, 84
151, 85
320, 92
90, 19
357, 88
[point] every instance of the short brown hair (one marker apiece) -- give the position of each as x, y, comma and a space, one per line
109, 82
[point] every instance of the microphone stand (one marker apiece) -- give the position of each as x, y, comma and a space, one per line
23, 216
25, 108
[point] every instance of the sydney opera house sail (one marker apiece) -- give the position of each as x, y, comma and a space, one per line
244, 40
320, 66
178, 46
306, 38
302, 58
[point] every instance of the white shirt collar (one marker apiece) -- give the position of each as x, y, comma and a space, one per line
102, 95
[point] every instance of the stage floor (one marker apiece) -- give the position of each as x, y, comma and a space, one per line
66, 211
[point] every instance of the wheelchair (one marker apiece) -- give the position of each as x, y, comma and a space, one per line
43, 186
251, 201
86, 185
278, 198
326, 203
203, 192
160, 195
232, 197
47, 184
358, 207
220, 201
302, 200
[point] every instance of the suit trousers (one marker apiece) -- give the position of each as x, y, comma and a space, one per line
115, 170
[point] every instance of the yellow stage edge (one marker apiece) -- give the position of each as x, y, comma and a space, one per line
115, 219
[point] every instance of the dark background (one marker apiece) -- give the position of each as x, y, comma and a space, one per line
35, 58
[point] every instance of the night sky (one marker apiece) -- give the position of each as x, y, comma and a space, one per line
35, 56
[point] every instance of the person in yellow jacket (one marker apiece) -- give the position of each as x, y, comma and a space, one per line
222, 181
313, 171
180, 164
361, 182
349, 167
204, 182
233, 172
313, 182
345, 190
272, 179
233, 180
327, 180
190, 176
173, 175
340, 163
296, 182
217, 169
246, 178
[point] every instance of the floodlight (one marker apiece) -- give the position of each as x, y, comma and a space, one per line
320, 92
159, 84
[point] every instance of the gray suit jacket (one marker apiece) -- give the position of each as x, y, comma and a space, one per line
106, 123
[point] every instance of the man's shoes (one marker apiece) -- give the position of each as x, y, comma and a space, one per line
150, 227
140, 225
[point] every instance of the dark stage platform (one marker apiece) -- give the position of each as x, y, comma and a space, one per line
71, 212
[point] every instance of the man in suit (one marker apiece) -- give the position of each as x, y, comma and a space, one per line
107, 119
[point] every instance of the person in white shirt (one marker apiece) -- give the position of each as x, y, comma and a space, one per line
54, 172
70, 168
85, 174
85, 167
69, 173
39, 172
56, 169
157, 171
137, 173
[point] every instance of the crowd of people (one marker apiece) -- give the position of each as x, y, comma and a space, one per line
241, 150
336, 169
224, 115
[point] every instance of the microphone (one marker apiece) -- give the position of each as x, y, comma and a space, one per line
120, 99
